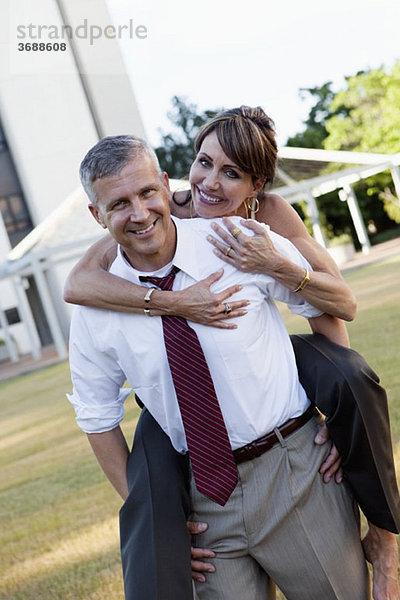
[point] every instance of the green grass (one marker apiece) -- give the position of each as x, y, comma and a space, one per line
58, 515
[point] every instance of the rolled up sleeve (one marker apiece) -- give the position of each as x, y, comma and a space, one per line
98, 397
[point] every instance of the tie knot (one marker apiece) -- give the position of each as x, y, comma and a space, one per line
164, 283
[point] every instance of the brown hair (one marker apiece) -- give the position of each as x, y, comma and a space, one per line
247, 136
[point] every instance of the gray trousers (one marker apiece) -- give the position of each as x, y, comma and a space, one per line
155, 545
283, 522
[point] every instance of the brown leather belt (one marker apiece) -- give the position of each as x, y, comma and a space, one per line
265, 443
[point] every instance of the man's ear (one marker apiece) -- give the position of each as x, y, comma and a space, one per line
165, 180
95, 213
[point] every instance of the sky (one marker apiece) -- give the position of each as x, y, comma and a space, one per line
221, 53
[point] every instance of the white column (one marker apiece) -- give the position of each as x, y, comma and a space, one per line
357, 219
316, 223
48, 307
27, 317
395, 171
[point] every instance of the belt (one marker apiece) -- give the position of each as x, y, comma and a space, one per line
265, 443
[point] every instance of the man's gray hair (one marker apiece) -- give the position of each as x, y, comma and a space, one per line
109, 156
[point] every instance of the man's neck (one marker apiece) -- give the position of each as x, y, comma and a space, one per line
148, 267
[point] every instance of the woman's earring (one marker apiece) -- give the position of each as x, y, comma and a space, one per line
191, 208
252, 206
255, 207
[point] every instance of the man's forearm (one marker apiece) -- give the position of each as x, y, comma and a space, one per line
111, 451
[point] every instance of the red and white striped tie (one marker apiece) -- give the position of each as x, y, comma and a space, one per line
213, 465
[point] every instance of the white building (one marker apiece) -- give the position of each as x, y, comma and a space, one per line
55, 103
63, 86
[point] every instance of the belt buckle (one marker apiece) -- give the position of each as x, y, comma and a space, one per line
253, 450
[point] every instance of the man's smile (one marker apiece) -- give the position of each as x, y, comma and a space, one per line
144, 230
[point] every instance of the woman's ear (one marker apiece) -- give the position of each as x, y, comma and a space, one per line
258, 185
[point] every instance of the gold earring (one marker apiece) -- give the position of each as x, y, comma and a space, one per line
191, 208
254, 208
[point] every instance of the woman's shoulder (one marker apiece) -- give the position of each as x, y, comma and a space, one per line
280, 216
272, 203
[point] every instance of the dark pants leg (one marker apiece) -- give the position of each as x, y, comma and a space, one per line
345, 388
155, 544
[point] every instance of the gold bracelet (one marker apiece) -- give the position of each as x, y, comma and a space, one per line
303, 282
148, 294
147, 312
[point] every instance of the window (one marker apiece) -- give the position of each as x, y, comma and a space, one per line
13, 209
16, 218
12, 316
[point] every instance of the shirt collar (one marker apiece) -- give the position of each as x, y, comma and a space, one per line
185, 257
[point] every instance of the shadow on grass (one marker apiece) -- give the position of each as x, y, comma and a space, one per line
97, 578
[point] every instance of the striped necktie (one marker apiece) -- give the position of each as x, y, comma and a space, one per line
211, 456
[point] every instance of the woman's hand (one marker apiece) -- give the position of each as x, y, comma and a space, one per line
254, 254
199, 304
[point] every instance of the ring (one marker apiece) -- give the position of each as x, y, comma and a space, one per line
236, 232
228, 308
229, 248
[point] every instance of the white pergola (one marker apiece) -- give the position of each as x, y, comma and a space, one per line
42, 249
343, 180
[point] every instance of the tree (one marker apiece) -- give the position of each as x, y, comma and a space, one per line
176, 152
372, 99
315, 130
363, 116
372, 123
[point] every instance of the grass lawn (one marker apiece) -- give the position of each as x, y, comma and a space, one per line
58, 515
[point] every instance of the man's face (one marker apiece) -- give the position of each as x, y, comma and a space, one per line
134, 207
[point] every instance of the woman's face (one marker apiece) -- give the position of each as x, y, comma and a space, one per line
218, 186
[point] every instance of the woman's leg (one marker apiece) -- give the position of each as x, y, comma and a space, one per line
347, 391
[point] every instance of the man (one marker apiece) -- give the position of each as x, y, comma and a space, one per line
267, 515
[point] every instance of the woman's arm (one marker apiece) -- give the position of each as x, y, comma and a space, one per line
326, 288
90, 284
326, 281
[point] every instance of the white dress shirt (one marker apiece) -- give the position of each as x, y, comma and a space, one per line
253, 367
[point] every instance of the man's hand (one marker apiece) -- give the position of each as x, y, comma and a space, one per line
331, 465
380, 549
199, 566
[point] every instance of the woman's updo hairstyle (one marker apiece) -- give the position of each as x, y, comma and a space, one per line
247, 136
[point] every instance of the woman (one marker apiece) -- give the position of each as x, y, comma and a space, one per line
89, 282
236, 157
